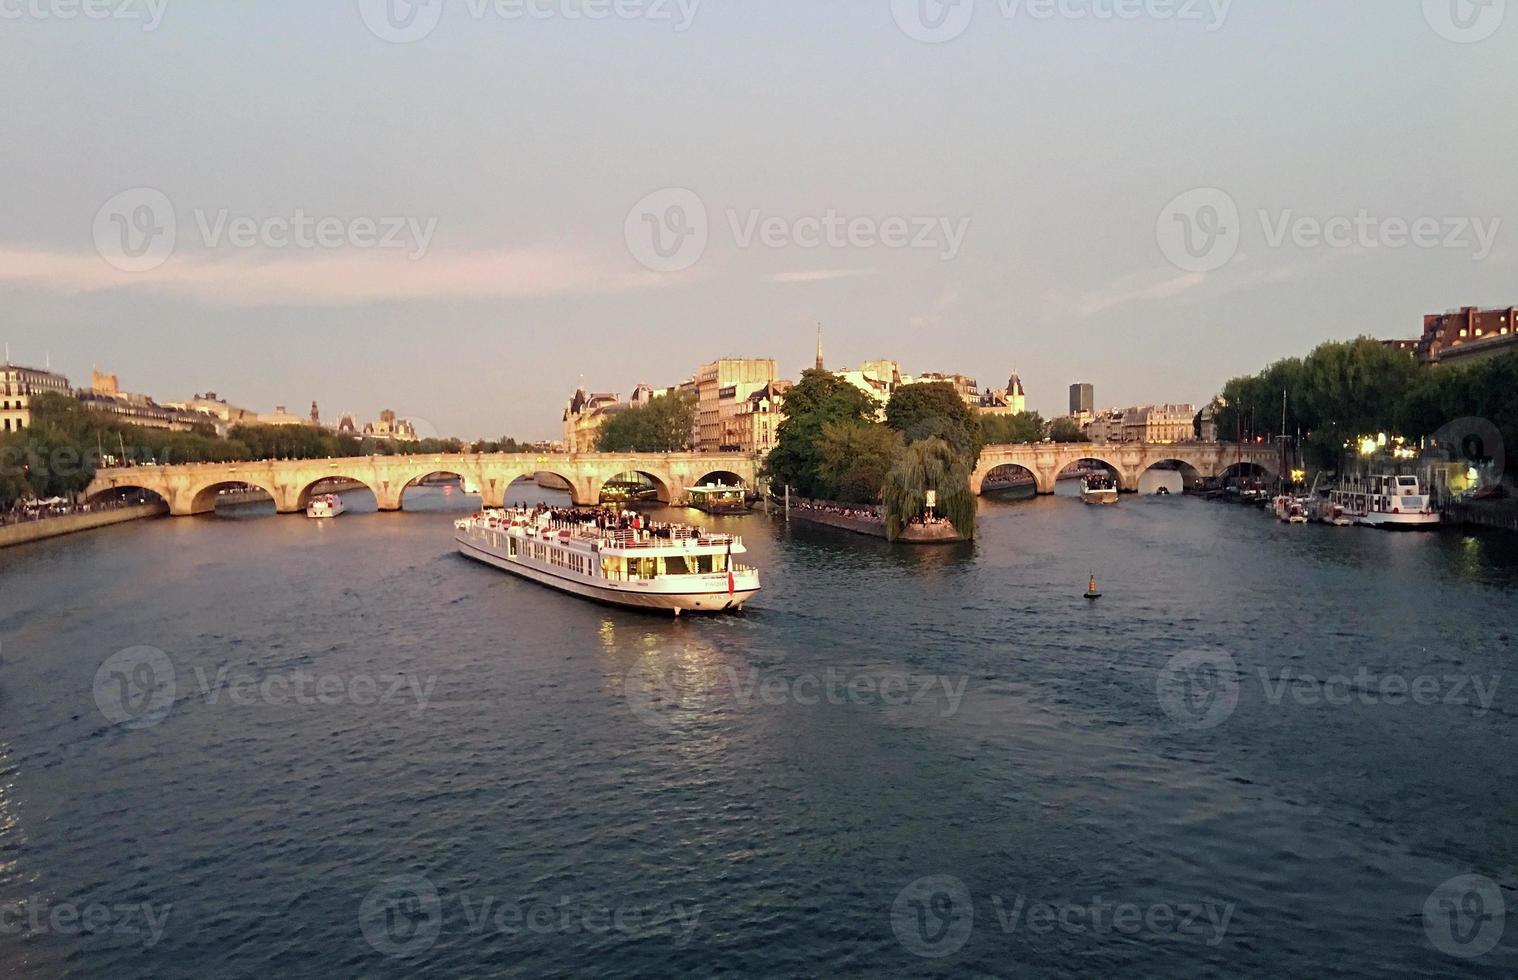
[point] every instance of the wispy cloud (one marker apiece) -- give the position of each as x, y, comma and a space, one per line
1136, 287
822, 275
946, 301
1149, 286
329, 279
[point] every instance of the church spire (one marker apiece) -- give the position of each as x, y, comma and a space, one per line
819, 348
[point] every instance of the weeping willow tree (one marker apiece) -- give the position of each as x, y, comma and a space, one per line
929, 464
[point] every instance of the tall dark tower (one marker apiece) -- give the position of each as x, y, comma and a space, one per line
316, 416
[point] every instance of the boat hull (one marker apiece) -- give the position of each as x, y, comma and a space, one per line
1401, 522
631, 595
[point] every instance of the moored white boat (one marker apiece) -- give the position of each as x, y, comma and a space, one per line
326, 505
669, 567
1290, 508
1393, 502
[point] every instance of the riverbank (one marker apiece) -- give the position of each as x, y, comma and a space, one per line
915, 534
55, 527
1499, 514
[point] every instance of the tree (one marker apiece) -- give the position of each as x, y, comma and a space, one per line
855, 458
1008, 430
929, 464
935, 410
664, 425
818, 398
1340, 391
1066, 430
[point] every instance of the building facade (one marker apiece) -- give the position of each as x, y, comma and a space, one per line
388, 426
104, 395
1159, 423
758, 424
584, 416
18, 386
218, 412
1011, 400
968, 389
723, 387
1460, 336
1103, 426
1082, 399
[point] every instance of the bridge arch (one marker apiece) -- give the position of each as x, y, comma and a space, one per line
1248, 469
124, 491
1191, 475
202, 498
1127, 481
725, 477
663, 483
443, 470
308, 491
997, 476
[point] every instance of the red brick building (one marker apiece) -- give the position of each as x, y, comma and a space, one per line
1467, 333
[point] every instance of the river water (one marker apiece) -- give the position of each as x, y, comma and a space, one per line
279, 747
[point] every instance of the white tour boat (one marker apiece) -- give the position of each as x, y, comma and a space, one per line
327, 505
673, 567
1392, 502
1099, 489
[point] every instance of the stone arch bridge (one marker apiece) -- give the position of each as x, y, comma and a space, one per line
191, 488
1046, 460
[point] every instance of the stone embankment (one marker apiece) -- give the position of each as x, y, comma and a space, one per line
52, 527
916, 534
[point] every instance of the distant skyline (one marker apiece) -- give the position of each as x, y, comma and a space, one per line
458, 209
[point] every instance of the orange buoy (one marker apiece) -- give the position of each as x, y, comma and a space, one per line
1091, 592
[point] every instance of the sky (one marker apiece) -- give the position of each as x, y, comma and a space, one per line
462, 209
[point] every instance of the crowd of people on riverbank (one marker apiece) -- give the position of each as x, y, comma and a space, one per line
30, 511
869, 515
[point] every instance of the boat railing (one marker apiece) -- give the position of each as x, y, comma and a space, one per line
633, 540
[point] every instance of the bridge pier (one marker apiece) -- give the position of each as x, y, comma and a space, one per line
387, 496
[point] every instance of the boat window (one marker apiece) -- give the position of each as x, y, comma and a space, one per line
680, 565
1408, 481
646, 568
